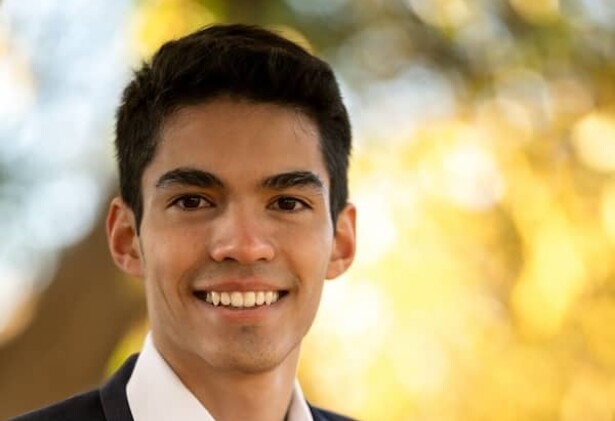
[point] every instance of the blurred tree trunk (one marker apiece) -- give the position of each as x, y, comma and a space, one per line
79, 320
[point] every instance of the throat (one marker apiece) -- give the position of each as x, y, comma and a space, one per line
263, 397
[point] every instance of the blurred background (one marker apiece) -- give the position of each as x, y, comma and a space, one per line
483, 172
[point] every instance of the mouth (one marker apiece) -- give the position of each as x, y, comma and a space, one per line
240, 299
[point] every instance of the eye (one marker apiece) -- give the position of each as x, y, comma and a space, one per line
191, 202
289, 204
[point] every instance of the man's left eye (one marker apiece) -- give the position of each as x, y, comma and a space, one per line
289, 204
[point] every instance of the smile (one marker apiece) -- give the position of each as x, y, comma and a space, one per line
240, 299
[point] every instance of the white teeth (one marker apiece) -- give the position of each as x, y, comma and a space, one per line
249, 299
271, 297
240, 299
236, 299
225, 298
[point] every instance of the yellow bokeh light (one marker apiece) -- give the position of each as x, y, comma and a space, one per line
570, 97
552, 278
597, 322
442, 13
593, 138
159, 21
608, 210
505, 121
524, 87
536, 10
459, 167
590, 396
376, 239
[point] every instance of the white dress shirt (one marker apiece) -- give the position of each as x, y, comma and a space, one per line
155, 393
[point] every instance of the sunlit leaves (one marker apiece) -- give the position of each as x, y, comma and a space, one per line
158, 21
594, 141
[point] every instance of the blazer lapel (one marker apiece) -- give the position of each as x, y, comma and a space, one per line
316, 414
113, 393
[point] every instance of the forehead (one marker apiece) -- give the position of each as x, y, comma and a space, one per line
239, 139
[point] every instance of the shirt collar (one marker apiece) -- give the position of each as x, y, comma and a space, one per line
155, 393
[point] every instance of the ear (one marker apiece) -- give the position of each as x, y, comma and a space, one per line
344, 242
123, 238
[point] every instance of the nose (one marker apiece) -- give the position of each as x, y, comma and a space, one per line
241, 236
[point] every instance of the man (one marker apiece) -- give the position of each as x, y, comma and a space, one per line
233, 149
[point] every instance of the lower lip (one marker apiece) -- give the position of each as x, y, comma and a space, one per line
244, 314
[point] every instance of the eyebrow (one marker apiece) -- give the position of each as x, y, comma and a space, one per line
292, 179
189, 177
186, 176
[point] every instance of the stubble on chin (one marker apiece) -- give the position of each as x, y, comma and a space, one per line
248, 352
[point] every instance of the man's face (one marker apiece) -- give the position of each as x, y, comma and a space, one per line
236, 207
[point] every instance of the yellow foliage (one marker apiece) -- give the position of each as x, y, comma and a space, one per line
594, 141
536, 10
158, 21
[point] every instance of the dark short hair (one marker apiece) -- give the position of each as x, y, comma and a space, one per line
240, 61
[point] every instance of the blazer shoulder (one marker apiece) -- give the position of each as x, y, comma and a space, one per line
85, 406
320, 414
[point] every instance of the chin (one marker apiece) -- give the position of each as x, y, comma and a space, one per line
252, 358
247, 360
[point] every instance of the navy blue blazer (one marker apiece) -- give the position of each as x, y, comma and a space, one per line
110, 403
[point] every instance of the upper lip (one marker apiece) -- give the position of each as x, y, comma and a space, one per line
241, 285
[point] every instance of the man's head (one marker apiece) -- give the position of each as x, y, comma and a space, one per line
237, 61
233, 148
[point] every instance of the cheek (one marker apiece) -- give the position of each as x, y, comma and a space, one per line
310, 252
171, 255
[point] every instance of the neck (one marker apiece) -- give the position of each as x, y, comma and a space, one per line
231, 395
